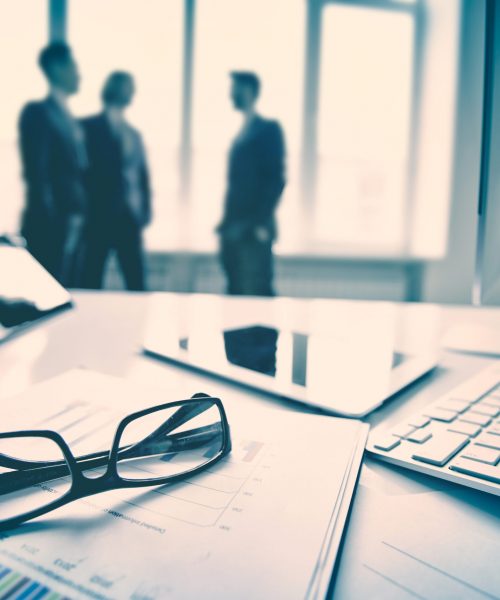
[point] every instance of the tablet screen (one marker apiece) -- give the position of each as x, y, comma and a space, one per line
278, 354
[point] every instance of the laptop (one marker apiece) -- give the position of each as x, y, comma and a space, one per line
28, 293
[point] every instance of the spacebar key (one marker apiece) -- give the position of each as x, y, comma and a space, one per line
440, 448
476, 469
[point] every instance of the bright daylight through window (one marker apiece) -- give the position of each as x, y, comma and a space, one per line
380, 96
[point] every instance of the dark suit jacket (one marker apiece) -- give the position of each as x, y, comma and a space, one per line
256, 178
117, 179
54, 160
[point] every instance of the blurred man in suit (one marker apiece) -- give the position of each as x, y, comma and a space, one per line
118, 187
54, 161
256, 178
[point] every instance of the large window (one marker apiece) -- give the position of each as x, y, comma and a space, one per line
144, 38
365, 92
364, 127
23, 31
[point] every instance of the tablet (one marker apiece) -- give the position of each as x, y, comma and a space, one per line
28, 293
331, 372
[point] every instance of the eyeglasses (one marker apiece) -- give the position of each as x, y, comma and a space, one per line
159, 445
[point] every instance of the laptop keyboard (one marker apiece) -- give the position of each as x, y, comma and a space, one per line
456, 437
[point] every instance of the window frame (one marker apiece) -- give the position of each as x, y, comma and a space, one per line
311, 100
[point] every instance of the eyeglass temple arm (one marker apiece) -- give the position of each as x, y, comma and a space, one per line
14, 481
181, 416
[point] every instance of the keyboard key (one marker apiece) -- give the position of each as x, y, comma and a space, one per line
476, 418
387, 443
488, 440
490, 456
491, 400
440, 448
402, 431
485, 409
419, 436
438, 414
461, 398
453, 404
465, 428
418, 421
476, 469
494, 429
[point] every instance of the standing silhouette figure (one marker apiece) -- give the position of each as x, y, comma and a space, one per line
54, 162
255, 182
117, 186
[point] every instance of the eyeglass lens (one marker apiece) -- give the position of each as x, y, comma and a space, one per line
170, 441
24, 486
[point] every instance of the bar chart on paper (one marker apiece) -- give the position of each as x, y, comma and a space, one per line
210, 525
16, 585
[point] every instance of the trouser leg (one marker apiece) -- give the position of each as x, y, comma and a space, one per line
130, 255
248, 265
74, 252
47, 246
96, 251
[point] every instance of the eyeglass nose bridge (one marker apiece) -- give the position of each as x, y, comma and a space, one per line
85, 484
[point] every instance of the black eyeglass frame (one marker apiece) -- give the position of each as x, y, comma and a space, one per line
82, 486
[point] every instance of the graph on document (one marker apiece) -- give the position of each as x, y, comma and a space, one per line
207, 507
200, 501
16, 586
240, 527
